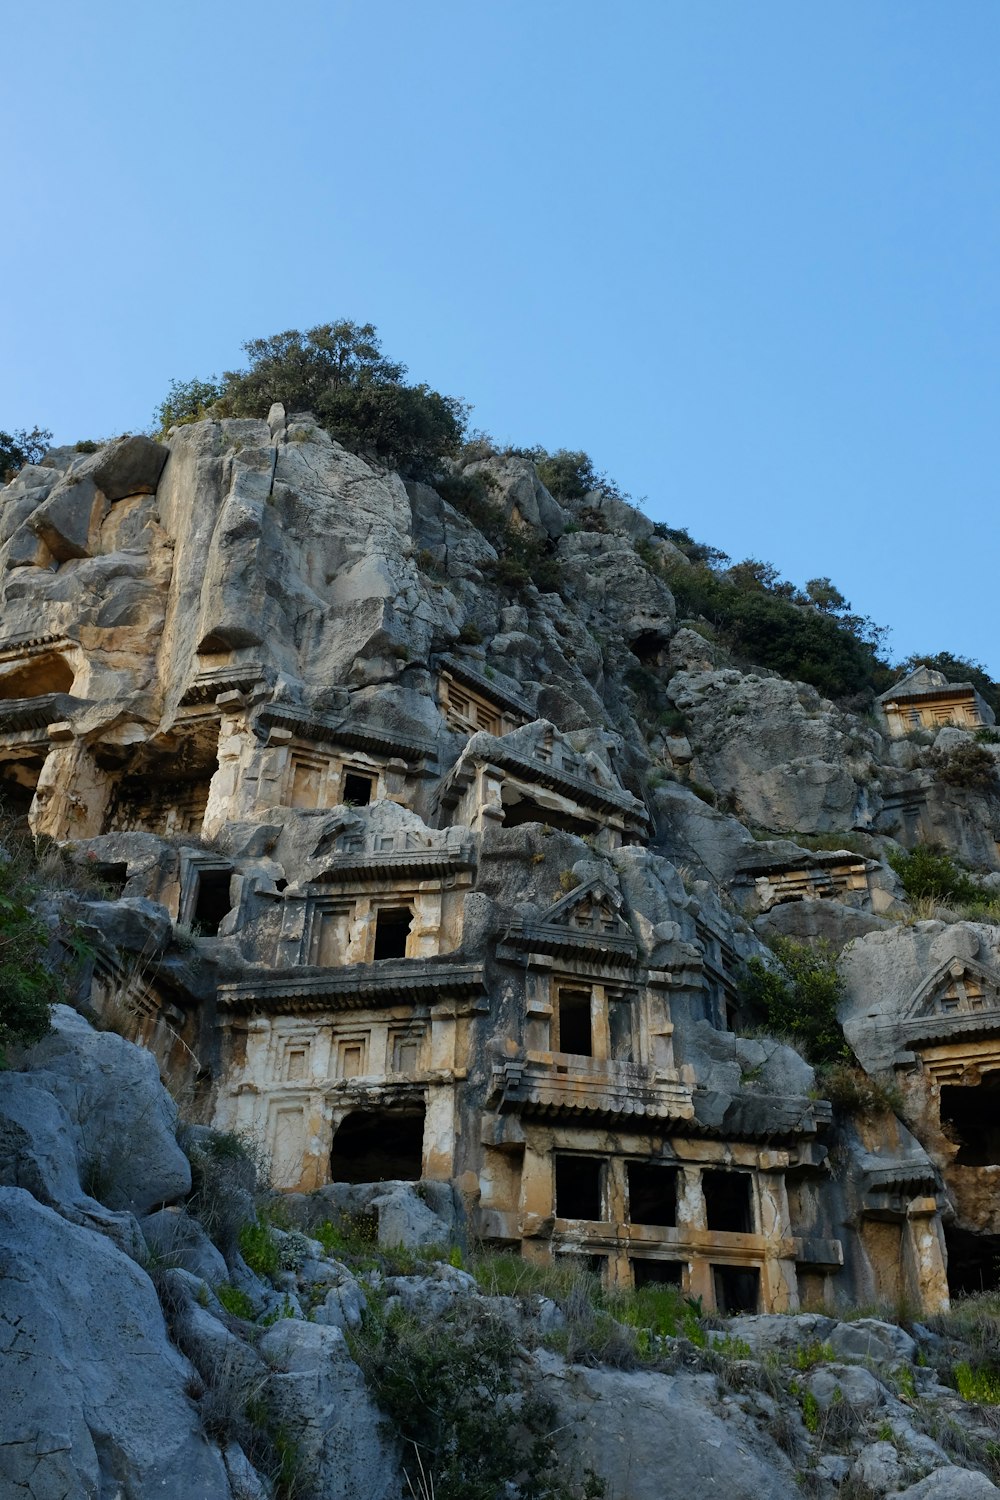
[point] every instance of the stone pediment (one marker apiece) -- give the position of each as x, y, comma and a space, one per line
961, 995
586, 920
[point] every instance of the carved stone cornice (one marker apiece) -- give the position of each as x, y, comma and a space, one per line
614, 1091
355, 987
354, 733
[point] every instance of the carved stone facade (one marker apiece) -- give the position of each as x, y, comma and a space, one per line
927, 700
400, 912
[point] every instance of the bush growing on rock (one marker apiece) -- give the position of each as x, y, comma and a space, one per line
450, 1389
800, 1000
28, 986
338, 371
968, 766
928, 871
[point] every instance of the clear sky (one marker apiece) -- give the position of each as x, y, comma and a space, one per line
744, 252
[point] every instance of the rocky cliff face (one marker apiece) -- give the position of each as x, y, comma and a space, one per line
412, 871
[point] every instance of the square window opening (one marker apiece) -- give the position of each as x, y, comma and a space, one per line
579, 1187
392, 928
358, 788
657, 1272
728, 1207
652, 1194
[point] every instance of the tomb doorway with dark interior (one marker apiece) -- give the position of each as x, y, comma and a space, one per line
212, 901
737, 1289
973, 1262
652, 1194
379, 1145
359, 788
575, 1028
970, 1118
18, 780
649, 1272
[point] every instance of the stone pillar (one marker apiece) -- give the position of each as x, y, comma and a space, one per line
691, 1218
72, 795
925, 1276
440, 1134
779, 1285
537, 1191
619, 1269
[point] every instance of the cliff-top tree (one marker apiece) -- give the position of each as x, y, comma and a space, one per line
338, 371
19, 448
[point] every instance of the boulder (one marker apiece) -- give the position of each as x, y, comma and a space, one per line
661, 1437
952, 1484
131, 466
126, 1120
318, 1394
177, 1239
64, 521
874, 1341
95, 1396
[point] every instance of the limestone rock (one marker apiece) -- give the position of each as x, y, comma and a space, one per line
126, 1121
65, 519
94, 1394
131, 466
952, 1484
647, 1436
317, 1391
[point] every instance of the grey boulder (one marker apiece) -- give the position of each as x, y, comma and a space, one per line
94, 1393
131, 466
318, 1394
111, 1091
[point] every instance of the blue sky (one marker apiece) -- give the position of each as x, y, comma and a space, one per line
743, 253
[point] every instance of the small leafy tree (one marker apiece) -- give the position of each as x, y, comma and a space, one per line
800, 1000
186, 401
21, 447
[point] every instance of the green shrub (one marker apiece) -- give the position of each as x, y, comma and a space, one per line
980, 1383
28, 985
808, 1356
968, 766
470, 635
799, 1000
259, 1249
851, 1090
767, 623
235, 1301
338, 371
186, 401
928, 871
449, 1388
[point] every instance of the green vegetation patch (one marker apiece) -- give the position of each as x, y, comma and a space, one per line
800, 999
